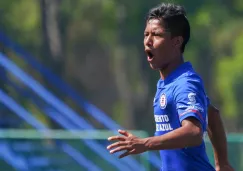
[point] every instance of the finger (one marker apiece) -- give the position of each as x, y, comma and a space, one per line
126, 153
121, 148
117, 144
125, 133
118, 138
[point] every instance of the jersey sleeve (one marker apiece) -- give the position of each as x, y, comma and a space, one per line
191, 100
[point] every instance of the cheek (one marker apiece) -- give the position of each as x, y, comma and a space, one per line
161, 43
167, 47
163, 47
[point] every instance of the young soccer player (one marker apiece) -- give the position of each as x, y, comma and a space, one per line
180, 103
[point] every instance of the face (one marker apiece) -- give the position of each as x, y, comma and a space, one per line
159, 46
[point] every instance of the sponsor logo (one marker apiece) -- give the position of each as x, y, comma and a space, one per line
192, 98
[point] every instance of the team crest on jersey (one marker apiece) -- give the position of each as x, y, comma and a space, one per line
163, 101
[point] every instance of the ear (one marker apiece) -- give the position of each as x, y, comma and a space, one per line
177, 41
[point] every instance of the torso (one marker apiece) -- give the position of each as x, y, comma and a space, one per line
167, 119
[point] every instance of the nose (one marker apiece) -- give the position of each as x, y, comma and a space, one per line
148, 41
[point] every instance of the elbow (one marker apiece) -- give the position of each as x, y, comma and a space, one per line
194, 132
196, 137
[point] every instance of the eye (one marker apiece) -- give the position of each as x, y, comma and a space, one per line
146, 34
157, 34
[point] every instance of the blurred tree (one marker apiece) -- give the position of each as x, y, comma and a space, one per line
97, 47
52, 43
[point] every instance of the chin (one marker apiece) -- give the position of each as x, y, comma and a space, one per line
154, 67
163, 66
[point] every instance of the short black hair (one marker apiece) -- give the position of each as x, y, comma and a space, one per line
174, 19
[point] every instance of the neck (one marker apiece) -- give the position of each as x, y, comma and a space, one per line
170, 68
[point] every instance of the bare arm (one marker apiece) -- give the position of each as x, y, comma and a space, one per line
189, 135
217, 136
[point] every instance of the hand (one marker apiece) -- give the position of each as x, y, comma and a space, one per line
225, 167
128, 142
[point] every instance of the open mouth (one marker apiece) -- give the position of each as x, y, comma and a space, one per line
150, 55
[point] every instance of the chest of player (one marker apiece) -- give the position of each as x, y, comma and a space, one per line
164, 101
165, 113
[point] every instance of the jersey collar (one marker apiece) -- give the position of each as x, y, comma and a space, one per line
175, 74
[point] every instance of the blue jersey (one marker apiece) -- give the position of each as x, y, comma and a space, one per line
179, 96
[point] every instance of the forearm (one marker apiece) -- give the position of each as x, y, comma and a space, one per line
179, 138
217, 136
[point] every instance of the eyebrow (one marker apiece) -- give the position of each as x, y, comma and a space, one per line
159, 30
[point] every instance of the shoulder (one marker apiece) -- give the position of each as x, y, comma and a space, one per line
188, 79
189, 82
